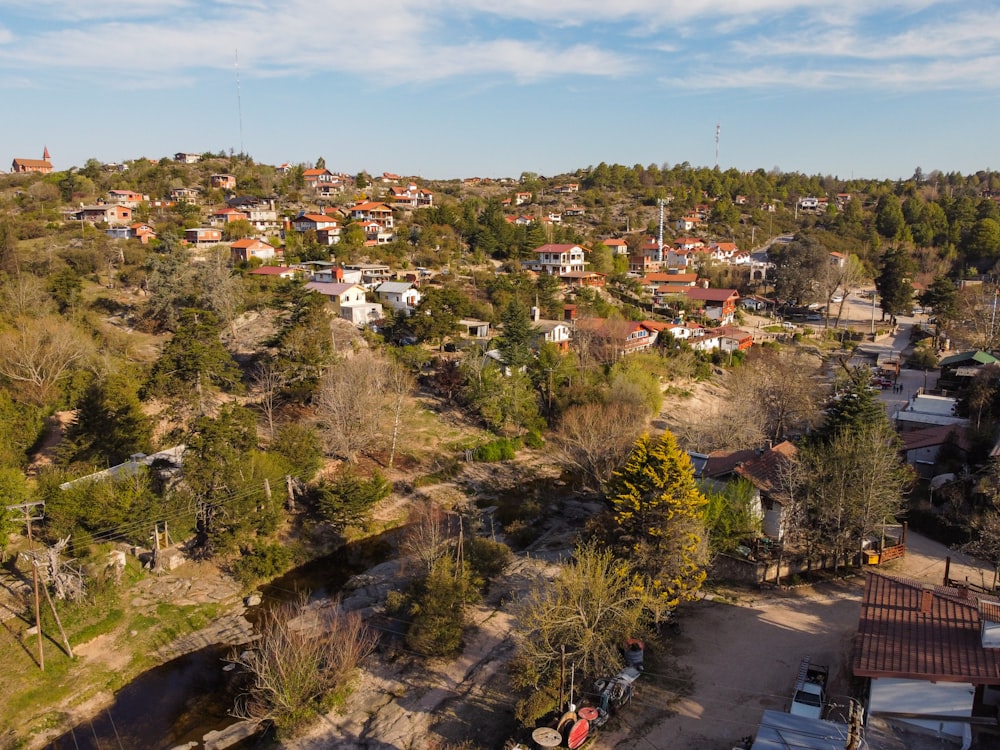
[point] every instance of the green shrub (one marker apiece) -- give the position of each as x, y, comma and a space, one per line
486, 559
534, 439
261, 562
501, 449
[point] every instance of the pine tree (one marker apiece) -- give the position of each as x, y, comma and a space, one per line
660, 517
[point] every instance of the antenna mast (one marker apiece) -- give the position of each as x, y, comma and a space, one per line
239, 103
660, 238
718, 132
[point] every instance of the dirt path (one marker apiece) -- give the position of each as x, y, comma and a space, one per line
739, 656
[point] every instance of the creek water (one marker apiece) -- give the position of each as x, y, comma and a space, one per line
180, 701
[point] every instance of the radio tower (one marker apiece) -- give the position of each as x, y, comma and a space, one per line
718, 132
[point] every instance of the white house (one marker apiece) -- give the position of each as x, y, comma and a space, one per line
557, 260
401, 296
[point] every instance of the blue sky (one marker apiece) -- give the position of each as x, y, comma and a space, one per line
462, 88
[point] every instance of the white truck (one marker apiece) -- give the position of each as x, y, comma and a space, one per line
809, 697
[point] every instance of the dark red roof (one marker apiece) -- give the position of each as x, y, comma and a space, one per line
711, 295
765, 470
897, 637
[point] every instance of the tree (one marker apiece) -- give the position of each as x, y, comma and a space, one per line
856, 483
350, 404
14, 490
942, 297
595, 438
732, 516
889, 221
893, 281
797, 265
294, 670
347, 499
855, 409
436, 317
109, 425
659, 516
194, 360
590, 607
515, 338
237, 230
38, 354
984, 239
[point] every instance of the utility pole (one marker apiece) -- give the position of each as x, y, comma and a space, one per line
28, 518
855, 715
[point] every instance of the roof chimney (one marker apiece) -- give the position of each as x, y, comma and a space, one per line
926, 599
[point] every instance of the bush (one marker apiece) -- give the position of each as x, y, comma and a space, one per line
261, 562
486, 559
438, 611
534, 439
923, 358
501, 449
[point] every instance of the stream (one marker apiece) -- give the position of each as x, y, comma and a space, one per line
179, 702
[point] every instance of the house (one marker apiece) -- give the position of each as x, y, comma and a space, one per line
931, 654
33, 166
128, 198
186, 194
838, 259
187, 158
654, 279
142, 232
476, 329
243, 250
314, 222
714, 304
924, 410
756, 303
557, 260
109, 213
768, 473
521, 198
388, 177
224, 216
809, 203
316, 177
362, 314
617, 246
688, 223
733, 339
276, 272
571, 187
372, 211
610, 339
583, 278
959, 370
202, 235
338, 293
722, 252
259, 212
920, 447
401, 296
575, 211
372, 274
555, 332
411, 197
222, 181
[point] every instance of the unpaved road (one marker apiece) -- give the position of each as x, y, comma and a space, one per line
742, 655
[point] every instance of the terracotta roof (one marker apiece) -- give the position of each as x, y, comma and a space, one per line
669, 278
898, 637
710, 295
36, 163
764, 471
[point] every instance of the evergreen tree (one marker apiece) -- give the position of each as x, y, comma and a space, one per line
856, 408
659, 514
893, 281
110, 425
514, 342
195, 360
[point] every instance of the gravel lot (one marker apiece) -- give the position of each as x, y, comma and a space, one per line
742, 653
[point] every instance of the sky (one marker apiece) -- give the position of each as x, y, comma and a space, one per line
493, 88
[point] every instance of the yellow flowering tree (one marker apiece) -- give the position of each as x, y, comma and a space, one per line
659, 515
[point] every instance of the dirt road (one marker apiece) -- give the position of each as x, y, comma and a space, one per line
740, 655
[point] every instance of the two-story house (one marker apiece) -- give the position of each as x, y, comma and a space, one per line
715, 304
557, 260
245, 249
401, 296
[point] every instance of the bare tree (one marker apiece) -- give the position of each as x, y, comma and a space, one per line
268, 379
399, 384
775, 392
302, 655
38, 354
350, 403
595, 438
428, 535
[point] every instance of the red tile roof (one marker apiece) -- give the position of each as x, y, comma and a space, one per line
557, 248
765, 470
897, 637
710, 295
